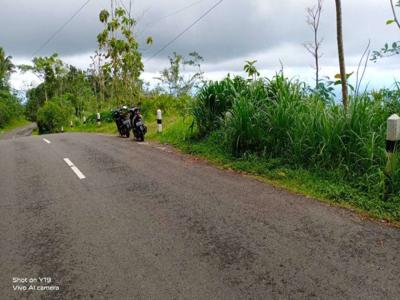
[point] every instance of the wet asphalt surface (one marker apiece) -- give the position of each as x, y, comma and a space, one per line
150, 223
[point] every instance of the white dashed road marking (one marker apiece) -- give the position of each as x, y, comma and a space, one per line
74, 168
47, 141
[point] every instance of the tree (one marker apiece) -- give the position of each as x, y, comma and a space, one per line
251, 69
343, 75
10, 106
36, 99
120, 52
313, 20
77, 88
172, 78
6, 68
48, 69
394, 48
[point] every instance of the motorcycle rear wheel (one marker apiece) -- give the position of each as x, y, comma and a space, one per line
141, 136
124, 132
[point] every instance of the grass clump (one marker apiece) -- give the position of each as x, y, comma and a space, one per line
281, 118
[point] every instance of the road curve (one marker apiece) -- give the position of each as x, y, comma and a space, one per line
18, 132
148, 223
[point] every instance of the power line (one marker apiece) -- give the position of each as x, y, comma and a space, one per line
185, 30
169, 15
123, 5
61, 28
175, 12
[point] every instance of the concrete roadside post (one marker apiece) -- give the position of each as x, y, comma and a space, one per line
71, 124
98, 118
84, 119
392, 138
159, 121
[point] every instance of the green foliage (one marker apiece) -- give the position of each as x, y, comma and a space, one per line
51, 117
6, 68
213, 100
120, 52
36, 99
167, 103
389, 49
386, 51
49, 69
242, 127
10, 108
251, 69
281, 119
66, 84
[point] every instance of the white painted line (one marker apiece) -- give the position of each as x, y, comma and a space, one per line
47, 141
144, 143
74, 168
78, 173
69, 163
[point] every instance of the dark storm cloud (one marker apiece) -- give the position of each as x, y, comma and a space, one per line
236, 30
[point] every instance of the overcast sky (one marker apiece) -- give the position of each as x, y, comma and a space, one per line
237, 30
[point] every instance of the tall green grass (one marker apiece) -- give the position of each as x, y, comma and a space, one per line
213, 101
282, 119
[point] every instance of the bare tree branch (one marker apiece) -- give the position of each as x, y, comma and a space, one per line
365, 55
396, 20
313, 20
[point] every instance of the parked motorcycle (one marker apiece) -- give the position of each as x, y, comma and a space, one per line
138, 127
123, 121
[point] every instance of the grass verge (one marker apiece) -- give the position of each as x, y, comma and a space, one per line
324, 187
108, 128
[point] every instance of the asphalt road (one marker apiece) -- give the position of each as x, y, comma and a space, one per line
148, 223
18, 132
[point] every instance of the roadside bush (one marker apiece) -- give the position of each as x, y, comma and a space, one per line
51, 117
242, 127
212, 102
10, 108
167, 103
5, 114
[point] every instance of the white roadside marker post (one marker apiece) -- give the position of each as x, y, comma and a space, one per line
392, 138
84, 119
98, 118
159, 121
71, 124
